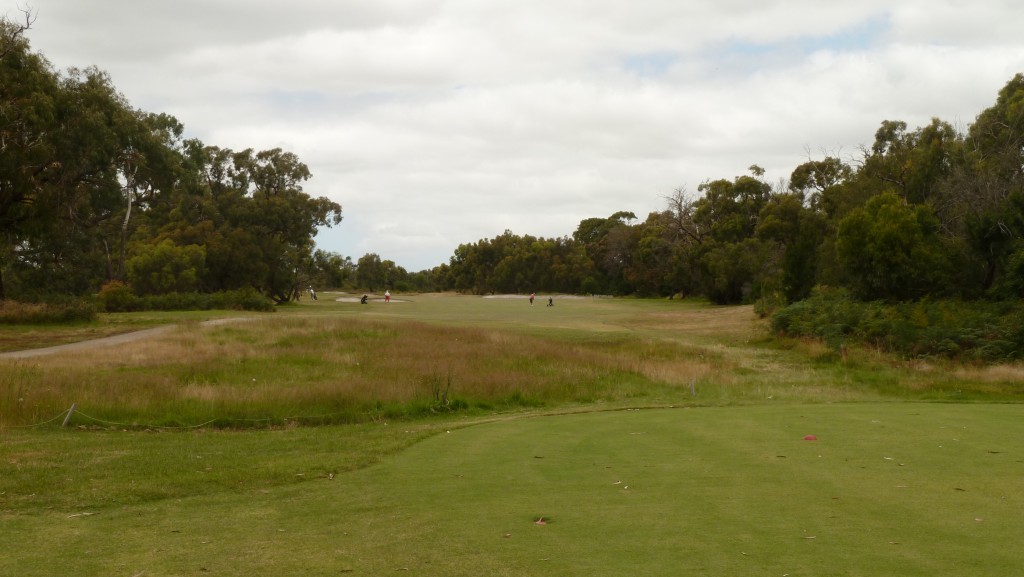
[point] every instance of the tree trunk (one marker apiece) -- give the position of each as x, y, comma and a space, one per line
129, 195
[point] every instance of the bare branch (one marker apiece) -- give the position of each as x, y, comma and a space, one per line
11, 32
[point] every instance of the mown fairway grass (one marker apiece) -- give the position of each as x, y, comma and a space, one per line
721, 483
887, 489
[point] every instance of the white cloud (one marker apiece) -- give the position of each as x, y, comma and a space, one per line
440, 122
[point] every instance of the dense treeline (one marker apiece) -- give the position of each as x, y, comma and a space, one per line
928, 212
93, 191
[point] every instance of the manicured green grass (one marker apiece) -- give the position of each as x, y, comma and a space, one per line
886, 489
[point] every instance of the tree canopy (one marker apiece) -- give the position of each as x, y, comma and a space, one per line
93, 190
928, 211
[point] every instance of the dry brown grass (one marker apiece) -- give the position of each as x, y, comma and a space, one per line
300, 366
992, 374
720, 322
488, 355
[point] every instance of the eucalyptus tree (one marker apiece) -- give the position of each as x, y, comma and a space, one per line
893, 251
249, 211
284, 218
331, 270
686, 236
799, 232
62, 138
730, 261
990, 190
370, 274
609, 244
657, 264
911, 163
28, 89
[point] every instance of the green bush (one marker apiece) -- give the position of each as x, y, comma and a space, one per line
250, 299
165, 268
243, 299
117, 297
968, 330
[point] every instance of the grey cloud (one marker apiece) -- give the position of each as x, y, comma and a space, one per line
437, 122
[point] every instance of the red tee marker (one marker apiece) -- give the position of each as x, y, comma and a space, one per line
810, 438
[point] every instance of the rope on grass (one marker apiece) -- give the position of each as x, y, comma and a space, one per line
115, 423
47, 422
66, 415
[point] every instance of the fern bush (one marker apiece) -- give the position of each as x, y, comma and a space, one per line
967, 330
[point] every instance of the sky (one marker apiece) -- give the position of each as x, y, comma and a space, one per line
436, 123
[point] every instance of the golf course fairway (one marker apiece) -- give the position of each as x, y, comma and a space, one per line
860, 489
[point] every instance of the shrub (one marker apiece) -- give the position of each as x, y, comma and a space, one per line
243, 299
976, 330
828, 313
73, 311
116, 297
165, 267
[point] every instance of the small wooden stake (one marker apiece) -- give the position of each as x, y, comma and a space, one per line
71, 411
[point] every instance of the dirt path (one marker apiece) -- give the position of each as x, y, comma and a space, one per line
107, 341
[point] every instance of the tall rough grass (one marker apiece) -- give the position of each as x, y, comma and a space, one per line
72, 311
325, 363
323, 370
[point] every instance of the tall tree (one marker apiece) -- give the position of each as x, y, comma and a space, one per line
892, 250
729, 212
987, 191
798, 231
608, 243
370, 272
28, 89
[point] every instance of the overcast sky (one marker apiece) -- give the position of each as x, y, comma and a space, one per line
440, 122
